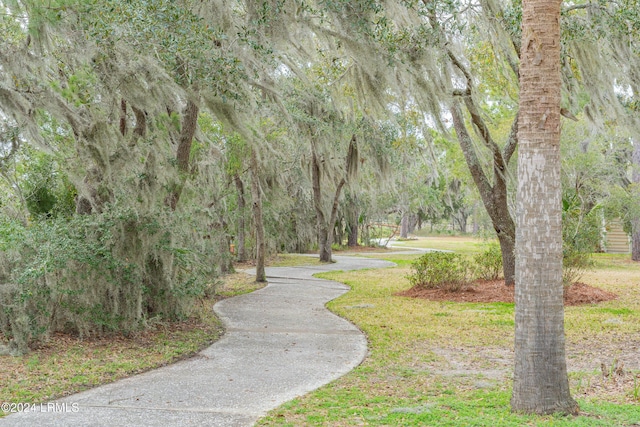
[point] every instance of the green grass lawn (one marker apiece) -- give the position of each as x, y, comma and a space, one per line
468, 245
430, 363
450, 364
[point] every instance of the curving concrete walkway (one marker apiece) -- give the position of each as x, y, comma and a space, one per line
281, 342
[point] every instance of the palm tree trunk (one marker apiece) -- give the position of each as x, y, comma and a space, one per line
541, 383
635, 220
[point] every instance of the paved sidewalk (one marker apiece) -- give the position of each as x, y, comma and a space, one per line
281, 342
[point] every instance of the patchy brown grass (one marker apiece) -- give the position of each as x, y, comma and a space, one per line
448, 359
66, 364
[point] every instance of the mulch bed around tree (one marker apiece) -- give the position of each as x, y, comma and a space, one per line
496, 291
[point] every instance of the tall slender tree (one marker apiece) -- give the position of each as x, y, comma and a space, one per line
541, 383
635, 221
257, 218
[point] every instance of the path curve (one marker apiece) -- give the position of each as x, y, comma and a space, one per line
281, 342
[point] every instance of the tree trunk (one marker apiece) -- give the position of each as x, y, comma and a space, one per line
635, 239
404, 226
241, 255
635, 221
507, 249
413, 222
352, 225
140, 130
461, 218
324, 227
123, 117
338, 232
334, 216
324, 247
225, 261
257, 219
494, 198
187, 132
476, 224
541, 383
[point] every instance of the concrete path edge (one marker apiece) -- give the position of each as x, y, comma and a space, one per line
280, 343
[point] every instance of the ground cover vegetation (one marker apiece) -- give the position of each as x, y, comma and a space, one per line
447, 362
67, 364
145, 145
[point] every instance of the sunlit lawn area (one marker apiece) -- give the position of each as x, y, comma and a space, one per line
460, 244
450, 364
430, 363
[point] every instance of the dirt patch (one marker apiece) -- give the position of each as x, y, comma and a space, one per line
146, 338
497, 291
606, 371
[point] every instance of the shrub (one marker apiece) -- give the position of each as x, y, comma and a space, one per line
489, 262
101, 273
441, 270
581, 236
574, 264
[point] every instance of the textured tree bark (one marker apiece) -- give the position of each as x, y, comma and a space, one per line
334, 208
324, 227
635, 239
541, 383
123, 117
493, 197
352, 238
635, 222
225, 260
404, 226
187, 132
241, 255
257, 219
324, 246
507, 249
352, 222
140, 129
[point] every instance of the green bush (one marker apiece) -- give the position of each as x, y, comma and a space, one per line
46, 188
581, 236
441, 270
574, 264
489, 262
95, 274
